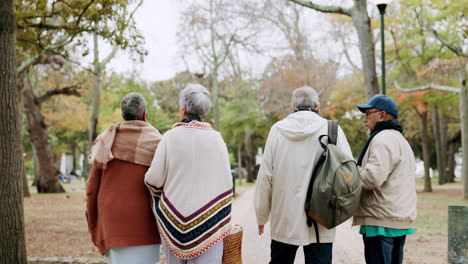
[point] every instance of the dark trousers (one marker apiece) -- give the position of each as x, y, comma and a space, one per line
384, 250
282, 253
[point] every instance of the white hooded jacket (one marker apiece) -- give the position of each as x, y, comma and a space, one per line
291, 152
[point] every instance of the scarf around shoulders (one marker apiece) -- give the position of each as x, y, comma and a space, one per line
134, 141
379, 127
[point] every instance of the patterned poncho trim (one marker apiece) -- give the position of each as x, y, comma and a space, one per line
190, 236
193, 124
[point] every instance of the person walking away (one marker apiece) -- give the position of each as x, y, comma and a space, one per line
292, 149
190, 179
119, 216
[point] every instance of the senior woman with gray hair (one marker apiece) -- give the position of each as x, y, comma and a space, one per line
191, 183
119, 217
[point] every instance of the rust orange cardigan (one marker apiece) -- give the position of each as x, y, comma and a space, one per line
119, 207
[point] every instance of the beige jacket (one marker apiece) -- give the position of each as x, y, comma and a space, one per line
291, 151
388, 176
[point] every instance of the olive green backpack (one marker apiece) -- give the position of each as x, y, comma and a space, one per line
335, 187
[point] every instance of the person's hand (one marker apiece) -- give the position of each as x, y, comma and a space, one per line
260, 229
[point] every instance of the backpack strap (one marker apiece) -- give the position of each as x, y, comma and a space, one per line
332, 131
332, 139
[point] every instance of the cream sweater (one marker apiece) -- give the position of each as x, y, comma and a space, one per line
191, 167
291, 151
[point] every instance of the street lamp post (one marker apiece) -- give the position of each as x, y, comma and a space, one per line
381, 6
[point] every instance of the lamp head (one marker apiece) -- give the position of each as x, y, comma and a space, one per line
381, 5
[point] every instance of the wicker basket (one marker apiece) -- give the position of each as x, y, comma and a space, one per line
232, 252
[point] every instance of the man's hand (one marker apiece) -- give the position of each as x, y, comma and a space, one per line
260, 229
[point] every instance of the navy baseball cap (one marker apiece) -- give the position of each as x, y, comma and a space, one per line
381, 102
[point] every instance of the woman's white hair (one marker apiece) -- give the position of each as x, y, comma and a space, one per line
305, 97
133, 106
197, 100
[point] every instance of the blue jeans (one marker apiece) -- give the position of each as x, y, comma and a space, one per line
384, 250
314, 253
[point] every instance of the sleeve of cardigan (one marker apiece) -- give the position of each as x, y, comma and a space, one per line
156, 175
92, 191
264, 185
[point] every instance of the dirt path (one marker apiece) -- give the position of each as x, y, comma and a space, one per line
348, 246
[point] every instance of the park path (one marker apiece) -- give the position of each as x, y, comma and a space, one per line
348, 247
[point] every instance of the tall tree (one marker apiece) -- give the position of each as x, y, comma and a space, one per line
99, 67
210, 29
412, 52
441, 153
12, 246
452, 35
51, 32
361, 21
37, 128
446, 25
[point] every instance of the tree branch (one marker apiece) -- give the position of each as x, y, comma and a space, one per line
429, 86
457, 50
69, 90
406, 66
53, 27
84, 11
109, 57
28, 63
324, 9
346, 53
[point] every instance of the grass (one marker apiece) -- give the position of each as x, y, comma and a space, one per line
430, 243
435, 182
55, 224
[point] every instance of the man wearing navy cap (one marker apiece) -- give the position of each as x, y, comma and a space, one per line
386, 167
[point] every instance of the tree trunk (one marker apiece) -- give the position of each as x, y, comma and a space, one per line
36, 167
438, 145
215, 95
362, 24
85, 166
426, 157
464, 125
94, 119
26, 192
452, 150
443, 147
48, 171
12, 242
250, 157
239, 160
73, 153
93, 122
20, 86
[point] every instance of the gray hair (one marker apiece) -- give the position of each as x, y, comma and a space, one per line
196, 98
133, 106
305, 97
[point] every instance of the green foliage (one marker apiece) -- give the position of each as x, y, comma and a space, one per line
349, 93
59, 26
242, 114
419, 58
